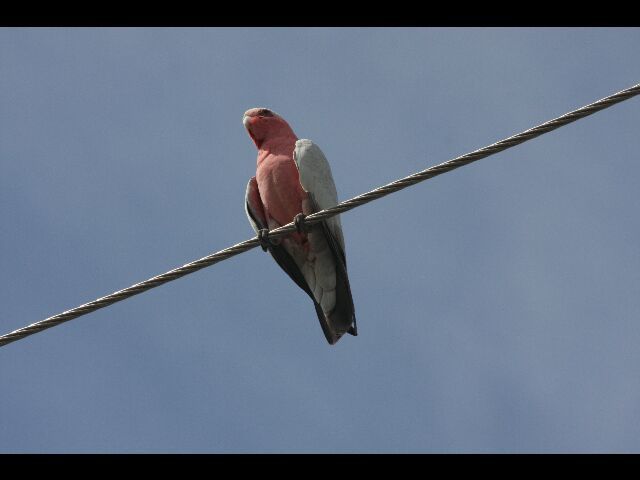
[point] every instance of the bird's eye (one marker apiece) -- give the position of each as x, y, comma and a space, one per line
264, 112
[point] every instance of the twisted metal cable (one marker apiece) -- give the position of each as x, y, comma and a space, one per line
322, 215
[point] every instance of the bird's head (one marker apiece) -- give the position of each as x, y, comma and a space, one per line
264, 125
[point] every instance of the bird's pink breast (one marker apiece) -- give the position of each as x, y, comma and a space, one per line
279, 186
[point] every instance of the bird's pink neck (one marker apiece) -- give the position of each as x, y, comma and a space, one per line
276, 146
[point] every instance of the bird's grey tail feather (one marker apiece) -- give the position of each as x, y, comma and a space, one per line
353, 330
343, 318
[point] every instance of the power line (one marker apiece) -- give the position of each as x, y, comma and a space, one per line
322, 215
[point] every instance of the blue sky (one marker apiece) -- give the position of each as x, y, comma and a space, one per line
498, 305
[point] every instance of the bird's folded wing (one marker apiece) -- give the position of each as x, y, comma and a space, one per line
316, 179
253, 206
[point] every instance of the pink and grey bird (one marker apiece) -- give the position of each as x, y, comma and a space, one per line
293, 177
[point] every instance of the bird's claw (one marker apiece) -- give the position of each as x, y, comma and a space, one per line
263, 237
299, 222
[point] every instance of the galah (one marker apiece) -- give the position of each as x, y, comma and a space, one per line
293, 177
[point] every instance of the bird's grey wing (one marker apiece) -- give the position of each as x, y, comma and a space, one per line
317, 180
327, 276
253, 206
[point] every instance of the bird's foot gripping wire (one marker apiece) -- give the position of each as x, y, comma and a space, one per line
301, 225
263, 237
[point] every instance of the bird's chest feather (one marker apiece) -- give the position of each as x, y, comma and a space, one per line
279, 186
